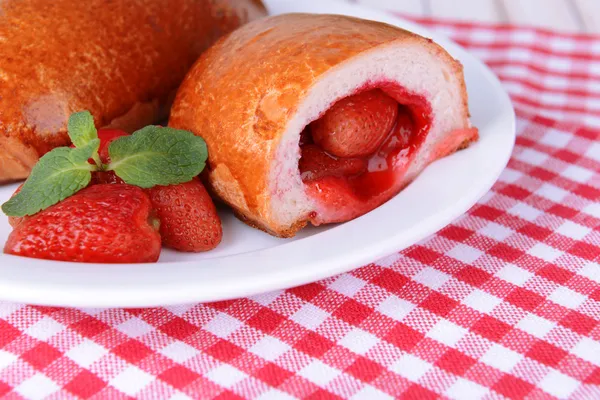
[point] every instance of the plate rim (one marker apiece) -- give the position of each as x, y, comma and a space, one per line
68, 293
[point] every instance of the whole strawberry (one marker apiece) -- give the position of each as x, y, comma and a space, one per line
357, 125
188, 217
99, 224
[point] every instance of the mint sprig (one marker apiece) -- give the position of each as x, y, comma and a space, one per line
151, 156
59, 174
157, 156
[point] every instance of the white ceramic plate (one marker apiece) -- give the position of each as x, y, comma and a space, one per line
249, 261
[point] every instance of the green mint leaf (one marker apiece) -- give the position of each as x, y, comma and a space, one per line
81, 128
157, 156
57, 175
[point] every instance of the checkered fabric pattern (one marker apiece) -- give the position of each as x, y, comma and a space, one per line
557, 76
504, 302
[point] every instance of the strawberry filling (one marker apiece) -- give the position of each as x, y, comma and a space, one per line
353, 158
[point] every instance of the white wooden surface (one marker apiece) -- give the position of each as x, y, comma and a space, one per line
578, 16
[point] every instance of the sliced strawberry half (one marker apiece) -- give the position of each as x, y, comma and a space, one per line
315, 163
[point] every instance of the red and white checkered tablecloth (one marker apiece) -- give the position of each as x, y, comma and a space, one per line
505, 302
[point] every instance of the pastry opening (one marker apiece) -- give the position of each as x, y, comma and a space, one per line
356, 153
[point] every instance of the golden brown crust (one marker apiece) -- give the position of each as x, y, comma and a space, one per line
284, 233
63, 56
16, 159
241, 93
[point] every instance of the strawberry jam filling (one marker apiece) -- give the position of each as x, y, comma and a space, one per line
354, 156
